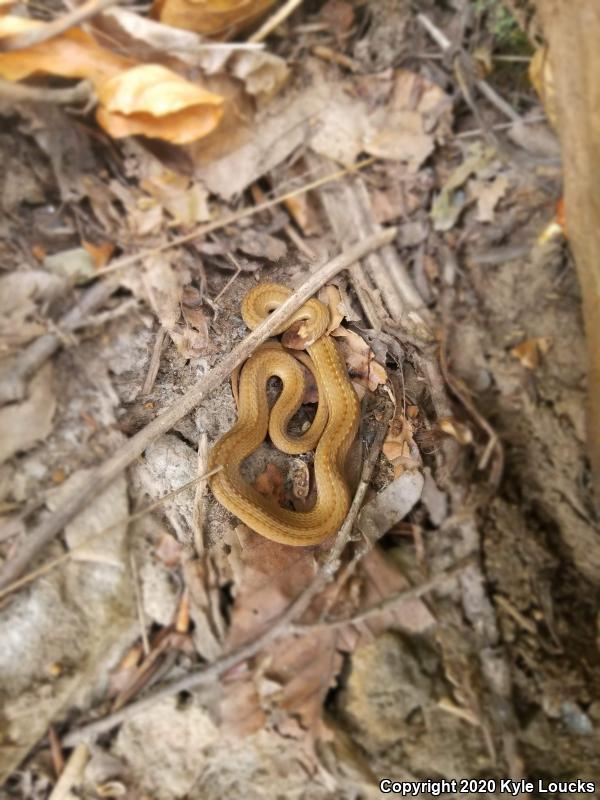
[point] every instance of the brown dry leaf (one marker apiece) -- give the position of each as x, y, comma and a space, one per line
154, 101
488, 195
406, 128
217, 18
186, 201
399, 446
24, 424
99, 253
458, 430
261, 245
360, 359
145, 99
261, 72
270, 483
73, 54
331, 296
529, 351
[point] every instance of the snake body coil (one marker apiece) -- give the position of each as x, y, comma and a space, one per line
332, 431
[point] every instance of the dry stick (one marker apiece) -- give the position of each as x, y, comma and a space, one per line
275, 21
82, 92
104, 474
281, 627
28, 38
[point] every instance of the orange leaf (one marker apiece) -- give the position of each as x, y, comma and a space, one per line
156, 102
219, 18
73, 54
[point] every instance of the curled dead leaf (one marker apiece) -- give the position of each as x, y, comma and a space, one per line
458, 430
360, 359
217, 18
154, 101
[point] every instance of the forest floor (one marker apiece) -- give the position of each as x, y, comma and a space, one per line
457, 637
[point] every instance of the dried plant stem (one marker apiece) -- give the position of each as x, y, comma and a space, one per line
104, 474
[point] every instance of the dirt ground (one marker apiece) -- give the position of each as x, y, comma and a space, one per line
458, 635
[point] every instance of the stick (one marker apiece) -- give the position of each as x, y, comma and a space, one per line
275, 21
280, 628
82, 92
104, 474
37, 35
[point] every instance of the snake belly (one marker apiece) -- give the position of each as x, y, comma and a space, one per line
332, 431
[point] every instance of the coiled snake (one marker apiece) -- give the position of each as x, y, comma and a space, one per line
332, 431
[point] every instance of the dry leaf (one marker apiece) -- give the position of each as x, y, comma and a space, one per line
331, 296
154, 101
529, 351
24, 424
488, 195
270, 484
216, 18
458, 430
360, 359
405, 129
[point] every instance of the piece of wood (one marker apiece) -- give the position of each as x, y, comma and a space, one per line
572, 30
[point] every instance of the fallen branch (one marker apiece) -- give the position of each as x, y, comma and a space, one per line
33, 36
281, 627
104, 474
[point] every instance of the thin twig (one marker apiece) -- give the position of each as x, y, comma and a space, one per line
138, 602
37, 35
279, 629
104, 474
72, 773
82, 92
275, 21
154, 364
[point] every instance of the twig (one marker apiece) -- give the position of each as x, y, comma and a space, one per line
492, 95
104, 474
274, 21
50, 565
154, 364
280, 628
82, 92
138, 602
37, 35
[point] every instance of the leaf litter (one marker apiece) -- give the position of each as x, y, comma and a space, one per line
418, 684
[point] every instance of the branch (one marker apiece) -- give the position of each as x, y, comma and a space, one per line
104, 474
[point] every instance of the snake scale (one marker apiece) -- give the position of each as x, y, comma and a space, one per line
332, 431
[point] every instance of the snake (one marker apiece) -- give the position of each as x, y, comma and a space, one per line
331, 433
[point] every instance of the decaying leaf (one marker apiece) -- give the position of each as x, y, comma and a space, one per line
529, 351
364, 370
405, 129
488, 194
216, 18
22, 425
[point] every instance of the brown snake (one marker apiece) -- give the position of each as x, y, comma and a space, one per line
332, 431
